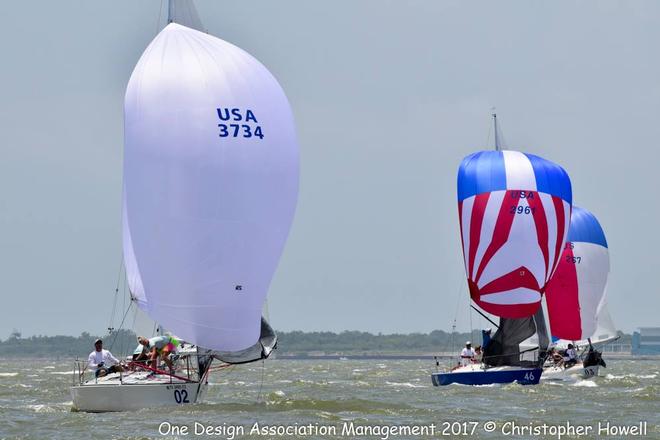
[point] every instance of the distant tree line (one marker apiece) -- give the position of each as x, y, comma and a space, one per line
122, 342
65, 347
354, 341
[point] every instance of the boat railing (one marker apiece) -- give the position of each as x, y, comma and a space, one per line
458, 361
182, 363
79, 368
523, 356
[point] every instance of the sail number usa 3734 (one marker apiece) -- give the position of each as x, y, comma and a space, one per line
238, 122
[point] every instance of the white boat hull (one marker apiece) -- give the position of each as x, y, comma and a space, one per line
91, 397
561, 373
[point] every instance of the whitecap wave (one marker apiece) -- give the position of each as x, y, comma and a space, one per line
632, 376
404, 384
41, 408
585, 383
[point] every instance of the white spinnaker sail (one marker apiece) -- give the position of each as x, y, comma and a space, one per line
184, 13
577, 287
211, 182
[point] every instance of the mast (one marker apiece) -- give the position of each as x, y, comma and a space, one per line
497, 139
170, 11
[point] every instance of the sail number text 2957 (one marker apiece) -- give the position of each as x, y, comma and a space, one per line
236, 122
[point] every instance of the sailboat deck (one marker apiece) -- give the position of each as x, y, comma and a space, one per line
134, 378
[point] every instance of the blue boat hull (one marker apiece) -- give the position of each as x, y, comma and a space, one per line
523, 376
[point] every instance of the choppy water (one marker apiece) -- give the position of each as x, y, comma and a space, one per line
35, 401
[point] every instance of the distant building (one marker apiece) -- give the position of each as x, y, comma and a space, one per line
646, 341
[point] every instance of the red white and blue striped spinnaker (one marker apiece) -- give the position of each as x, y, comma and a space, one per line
514, 210
576, 290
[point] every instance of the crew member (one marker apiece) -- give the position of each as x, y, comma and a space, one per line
570, 357
467, 354
102, 360
478, 354
160, 346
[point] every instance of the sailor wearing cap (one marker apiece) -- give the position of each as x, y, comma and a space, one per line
468, 354
102, 360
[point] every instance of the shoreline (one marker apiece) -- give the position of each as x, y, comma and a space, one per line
424, 356
353, 357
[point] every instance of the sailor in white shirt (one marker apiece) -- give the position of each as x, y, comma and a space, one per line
570, 358
468, 354
102, 360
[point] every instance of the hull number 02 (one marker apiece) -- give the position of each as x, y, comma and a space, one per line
181, 396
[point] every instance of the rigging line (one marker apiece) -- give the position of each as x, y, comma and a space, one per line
490, 128
124, 280
131, 301
114, 302
160, 11
121, 325
263, 370
121, 270
133, 328
112, 314
458, 301
485, 317
123, 292
125, 308
471, 327
134, 319
458, 297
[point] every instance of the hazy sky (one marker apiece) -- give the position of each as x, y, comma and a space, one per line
389, 96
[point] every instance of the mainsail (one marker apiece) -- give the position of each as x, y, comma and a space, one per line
505, 346
210, 186
184, 13
575, 292
514, 209
605, 328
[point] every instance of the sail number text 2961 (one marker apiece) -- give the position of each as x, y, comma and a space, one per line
236, 122
519, 209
